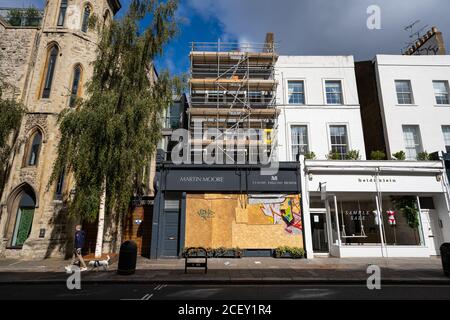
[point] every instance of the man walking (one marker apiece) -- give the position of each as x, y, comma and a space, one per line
80, 237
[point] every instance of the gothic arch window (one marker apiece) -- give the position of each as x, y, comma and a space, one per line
24, 206
62, 13
50, 65
86, 15
75, 89
34, 148
106, 18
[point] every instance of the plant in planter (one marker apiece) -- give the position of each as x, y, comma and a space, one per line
310, 156
353, 155
289, 252
377, 155
423, 156
408, 207
400, 156
334, 156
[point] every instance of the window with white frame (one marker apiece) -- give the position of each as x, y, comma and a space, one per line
339, 140
333, 90
441, 92
446, 132
296, 92
299, 141
404, 92
413, 143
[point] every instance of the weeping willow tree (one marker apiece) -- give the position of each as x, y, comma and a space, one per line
11, 113
111, 136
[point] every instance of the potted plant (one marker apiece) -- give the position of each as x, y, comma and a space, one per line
399, 156
353, 155
334, 156
423, 156
377, 155
310, 156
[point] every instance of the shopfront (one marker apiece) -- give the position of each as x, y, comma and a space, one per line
229, 207
377, 209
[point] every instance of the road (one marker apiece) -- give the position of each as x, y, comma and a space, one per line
221, 292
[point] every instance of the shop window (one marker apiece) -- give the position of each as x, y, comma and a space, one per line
427, 203
441, 92
62, 13
401, 221
339, 140
49, 71
299, 141
358, 221
296, 92
404, 92
446, 132
333, 90
86, 16
413, 144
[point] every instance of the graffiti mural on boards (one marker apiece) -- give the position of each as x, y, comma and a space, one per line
286, 212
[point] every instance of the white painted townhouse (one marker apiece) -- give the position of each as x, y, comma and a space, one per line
320, 112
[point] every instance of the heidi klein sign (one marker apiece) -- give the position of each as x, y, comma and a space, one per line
348, 182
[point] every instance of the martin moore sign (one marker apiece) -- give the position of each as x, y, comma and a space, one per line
230, 179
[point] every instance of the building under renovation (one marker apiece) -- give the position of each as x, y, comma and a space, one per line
232, 89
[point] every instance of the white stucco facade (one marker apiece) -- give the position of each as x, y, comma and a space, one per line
423, 112
315, 113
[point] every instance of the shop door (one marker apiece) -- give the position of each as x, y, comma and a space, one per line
432, 226
171, 231
319, 231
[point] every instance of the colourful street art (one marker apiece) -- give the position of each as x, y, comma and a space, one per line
287, 212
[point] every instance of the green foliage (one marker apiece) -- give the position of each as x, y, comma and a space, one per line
107, 141
377, 155
353, 155
423, 156
292, 252
334, 156
408, 207
310, 156
11, 113
29, 17
400, 156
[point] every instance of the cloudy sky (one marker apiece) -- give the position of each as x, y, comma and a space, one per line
301, 27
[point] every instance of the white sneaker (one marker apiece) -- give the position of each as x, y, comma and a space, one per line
83, 269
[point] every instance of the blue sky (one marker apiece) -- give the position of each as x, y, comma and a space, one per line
301, 27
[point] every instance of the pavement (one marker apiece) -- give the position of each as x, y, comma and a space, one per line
250, 271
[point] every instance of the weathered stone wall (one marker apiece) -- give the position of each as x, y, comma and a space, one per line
16, 48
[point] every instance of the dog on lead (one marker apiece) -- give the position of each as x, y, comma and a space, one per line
96, 264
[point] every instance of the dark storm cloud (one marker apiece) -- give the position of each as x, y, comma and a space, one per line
325, 27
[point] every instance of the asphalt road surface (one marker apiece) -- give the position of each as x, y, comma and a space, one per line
220, 292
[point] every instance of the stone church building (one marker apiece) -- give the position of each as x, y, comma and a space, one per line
48, 67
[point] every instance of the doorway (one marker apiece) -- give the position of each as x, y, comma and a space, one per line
433, 226
319, 228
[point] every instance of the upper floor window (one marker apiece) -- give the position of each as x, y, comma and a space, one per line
86, 16
404, 92
296, 92
62, 13
333, 90
299, 141
446, 132
413, 142
75, 89
60, 185
441, 92
49, 71
339, 140
34, 149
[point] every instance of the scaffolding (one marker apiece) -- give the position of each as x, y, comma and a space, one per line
232, 86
